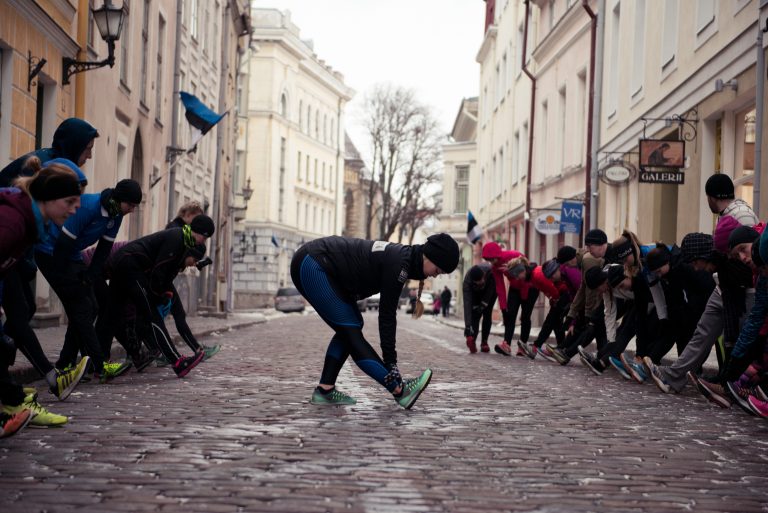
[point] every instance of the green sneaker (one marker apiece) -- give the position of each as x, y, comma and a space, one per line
210, 351
412, 389
332, 397
42, 418
67, 381
161, 361
115, 369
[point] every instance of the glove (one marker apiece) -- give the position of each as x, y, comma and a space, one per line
393, 379
164, 308
204, 262
469, 332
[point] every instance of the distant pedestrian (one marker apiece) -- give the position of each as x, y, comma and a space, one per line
445, 301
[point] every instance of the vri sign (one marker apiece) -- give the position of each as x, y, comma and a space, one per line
571, 215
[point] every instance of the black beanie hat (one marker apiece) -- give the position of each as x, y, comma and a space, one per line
741, 235
566, 254
550, 267
595, 277
443, 251
596, 236
203, 225
127, 190
657, 258
49, 185
615, 274
719, 186
476, 273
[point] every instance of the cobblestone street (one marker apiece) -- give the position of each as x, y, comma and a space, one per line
490, 433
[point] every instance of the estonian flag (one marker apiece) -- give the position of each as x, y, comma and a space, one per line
274, 242
199, 116
474, 231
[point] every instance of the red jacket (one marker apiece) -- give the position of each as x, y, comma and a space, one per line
493, 250
544, 284
18, 231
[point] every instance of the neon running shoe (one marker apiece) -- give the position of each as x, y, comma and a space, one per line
209, 351
619, 366
412, 389
333, 396
67, 381
115, 369
42, 417
13, 423
546, 353
636, 370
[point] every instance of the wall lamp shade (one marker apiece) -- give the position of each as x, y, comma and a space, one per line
247, 190
109, 21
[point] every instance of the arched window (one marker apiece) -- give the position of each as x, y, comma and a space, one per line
325, 128
284, 106
301, 115
317, 124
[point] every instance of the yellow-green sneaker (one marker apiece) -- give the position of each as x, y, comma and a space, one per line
333, 396
67, 381
42, 418
412, 389
115, 369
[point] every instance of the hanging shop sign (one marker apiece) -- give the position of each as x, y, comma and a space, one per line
617, 172
571, 214
668, 176
548, 224
662, 153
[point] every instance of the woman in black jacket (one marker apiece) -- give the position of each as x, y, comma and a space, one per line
332, 273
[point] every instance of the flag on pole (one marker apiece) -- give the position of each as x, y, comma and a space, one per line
275, 243
199, 116
474, 230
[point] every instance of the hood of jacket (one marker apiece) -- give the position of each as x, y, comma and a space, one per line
72, 137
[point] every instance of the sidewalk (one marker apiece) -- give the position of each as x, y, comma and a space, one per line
51, 339
497, 329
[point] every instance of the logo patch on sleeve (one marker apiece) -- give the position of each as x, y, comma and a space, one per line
379, 245
403, 276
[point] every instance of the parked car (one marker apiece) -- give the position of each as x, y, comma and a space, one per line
373, 302
288, 299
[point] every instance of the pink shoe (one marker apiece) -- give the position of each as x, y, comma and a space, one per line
503, 348
758, 406
186, 363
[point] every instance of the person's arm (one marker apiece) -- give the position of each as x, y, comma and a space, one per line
501, 290
391, 286
180, 319
545, 285
166, 266
755, 319
467, 290
611, 323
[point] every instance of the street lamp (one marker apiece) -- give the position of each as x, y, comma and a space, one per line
247, 190
109, 21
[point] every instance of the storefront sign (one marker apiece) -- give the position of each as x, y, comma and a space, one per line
617, 173
548, 224
662, 153
570, 217
673, 177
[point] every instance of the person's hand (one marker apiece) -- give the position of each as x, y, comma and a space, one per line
571, 325
469, 332
164, 308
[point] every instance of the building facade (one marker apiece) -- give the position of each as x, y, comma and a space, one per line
295, 156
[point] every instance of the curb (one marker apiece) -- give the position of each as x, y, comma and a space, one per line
28, 373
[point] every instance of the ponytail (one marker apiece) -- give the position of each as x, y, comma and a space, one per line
418, 309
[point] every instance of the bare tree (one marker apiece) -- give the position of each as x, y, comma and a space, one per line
406, 153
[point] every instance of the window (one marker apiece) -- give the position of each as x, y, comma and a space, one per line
298, 169
332, 177
325, 128
281, 201
581, 116
744, 175
504, 84
500, 174
298, 212
462, 189
551, 14
307, 170
322, 182
705, 14
669, 36
301, 115
125, 44
516, 157
482, 186
497, 92
524, 152
193, 21
309, 119
144, 53
284, 106
613, 84
214, 35
638, 50
317, 175
159, 81
519, 49
91, 24
317, 124
333, 132
561, 130
543, 137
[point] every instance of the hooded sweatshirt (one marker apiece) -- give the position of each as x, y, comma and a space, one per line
18, 227
493, 250
69, 141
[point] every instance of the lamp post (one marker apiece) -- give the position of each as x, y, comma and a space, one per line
109, 20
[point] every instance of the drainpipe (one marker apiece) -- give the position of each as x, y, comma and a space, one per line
760, 95
588, 168
596, 108
175, 111
531, 130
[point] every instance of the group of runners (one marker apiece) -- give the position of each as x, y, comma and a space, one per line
108, 290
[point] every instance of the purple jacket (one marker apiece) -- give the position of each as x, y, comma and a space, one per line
18, 231
571, 276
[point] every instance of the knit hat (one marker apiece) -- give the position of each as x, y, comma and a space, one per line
491, 250
127, 190
595, 277
71, 165
49, 185
725, 225
476, 273
696, 246
549, 268
719, 186
513, 271
566, 254
623, 250
742, 235
657, 258
442, 250
203, 225
615, 274
596, 237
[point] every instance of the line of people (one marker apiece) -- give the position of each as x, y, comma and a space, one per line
709, 292
108, 290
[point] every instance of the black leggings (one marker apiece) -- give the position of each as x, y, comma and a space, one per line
487, 317
514, 303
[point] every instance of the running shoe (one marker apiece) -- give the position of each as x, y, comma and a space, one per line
333, 396
42, 417
66, 381
619, 366
655, 373
471, 345
412, 389
115, 369
740, 395
484, 348
11, 424
161, 361
29, 390
529, 349
209, 351
546, 353
558, 355
591, 361
142, 359
503, 348
712, 391
759, 406
635, 369
760, 393
186, 363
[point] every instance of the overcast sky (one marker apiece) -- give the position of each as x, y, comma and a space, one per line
427, 45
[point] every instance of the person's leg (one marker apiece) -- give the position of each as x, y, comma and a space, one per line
180, 318
510, 316
487, 316
526, 313
552, 322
